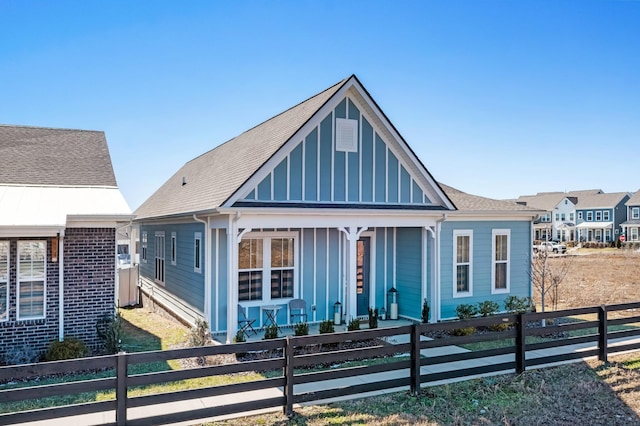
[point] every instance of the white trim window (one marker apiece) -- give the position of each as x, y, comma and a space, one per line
635, 213
605, 215
589, 216
463, 263
4, 281
500, 271
197, 252
32, 282
174, 248
634, 234
266, 256
160, 256
599, 216
144, 247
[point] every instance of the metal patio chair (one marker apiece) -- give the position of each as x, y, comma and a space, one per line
245, 324
298, 308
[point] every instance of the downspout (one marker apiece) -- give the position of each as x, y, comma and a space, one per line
207, 270
61, 285
437, 296
232, 264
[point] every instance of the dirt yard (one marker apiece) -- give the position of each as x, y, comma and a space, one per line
598, 278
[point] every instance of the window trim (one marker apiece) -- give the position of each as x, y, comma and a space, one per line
589, 216
635, 212
494, 262
462, 233
174, 249
606, 216
7, 280
197, 252
144, 243
634, 235
159, 235
598, 215
18, 281
266, 266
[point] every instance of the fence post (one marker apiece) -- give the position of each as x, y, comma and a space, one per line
288, 377
121, 388
603, 339
415, 359
521, 327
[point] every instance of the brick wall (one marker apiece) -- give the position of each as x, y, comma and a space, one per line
89, 291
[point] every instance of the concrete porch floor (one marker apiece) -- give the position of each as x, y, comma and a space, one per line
314, 328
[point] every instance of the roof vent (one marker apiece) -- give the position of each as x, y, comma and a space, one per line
346, 135
184, 181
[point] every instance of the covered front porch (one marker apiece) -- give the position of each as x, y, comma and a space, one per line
328, 259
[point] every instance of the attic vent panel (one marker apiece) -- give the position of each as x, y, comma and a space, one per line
346, 135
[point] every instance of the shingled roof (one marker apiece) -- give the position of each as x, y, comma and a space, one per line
596, 201
207, 181
57, 157
475, 203
634, 200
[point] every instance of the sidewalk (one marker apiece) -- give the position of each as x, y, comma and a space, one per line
201, 403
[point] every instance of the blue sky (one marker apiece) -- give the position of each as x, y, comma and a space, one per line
498, 98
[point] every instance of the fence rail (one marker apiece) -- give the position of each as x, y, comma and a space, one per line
319, 367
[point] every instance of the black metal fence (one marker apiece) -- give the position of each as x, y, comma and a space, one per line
315, 368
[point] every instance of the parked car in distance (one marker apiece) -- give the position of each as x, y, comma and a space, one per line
550, 246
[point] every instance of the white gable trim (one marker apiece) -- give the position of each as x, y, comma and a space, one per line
393, 140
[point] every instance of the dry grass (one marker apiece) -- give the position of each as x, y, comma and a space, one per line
588, 393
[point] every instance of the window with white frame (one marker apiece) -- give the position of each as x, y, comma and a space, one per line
144, 247
500, 271
32, 272
4, 281
197, 252
635, 213
463, 263
607, 235
589, 216
266, 255
160, 252
634, 234
557, 217
598, 216
605, 215
174, 248
563, 217
571, 217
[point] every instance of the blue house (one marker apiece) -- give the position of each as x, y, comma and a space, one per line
325, 202
631, 227
600, 215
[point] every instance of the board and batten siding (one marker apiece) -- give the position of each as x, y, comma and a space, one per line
314, 171
482, 262
181, 280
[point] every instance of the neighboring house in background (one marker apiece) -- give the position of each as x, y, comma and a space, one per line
631, 227
559, 219
325, 202
600, 216
59, 209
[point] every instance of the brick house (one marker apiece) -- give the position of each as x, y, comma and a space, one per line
60, 207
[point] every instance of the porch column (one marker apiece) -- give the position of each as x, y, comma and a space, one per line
353, 234
232, 279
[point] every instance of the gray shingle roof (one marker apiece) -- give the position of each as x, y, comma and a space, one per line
597, 201
214, 176
475, 203
634, 200
546, 201
60, 157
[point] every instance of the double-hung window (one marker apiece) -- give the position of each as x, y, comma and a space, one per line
32, 272
605, 215
266, 266
634, 234
598, 216
160, 249
500, 270
463, 263
635, 213
589, 216
4, 281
